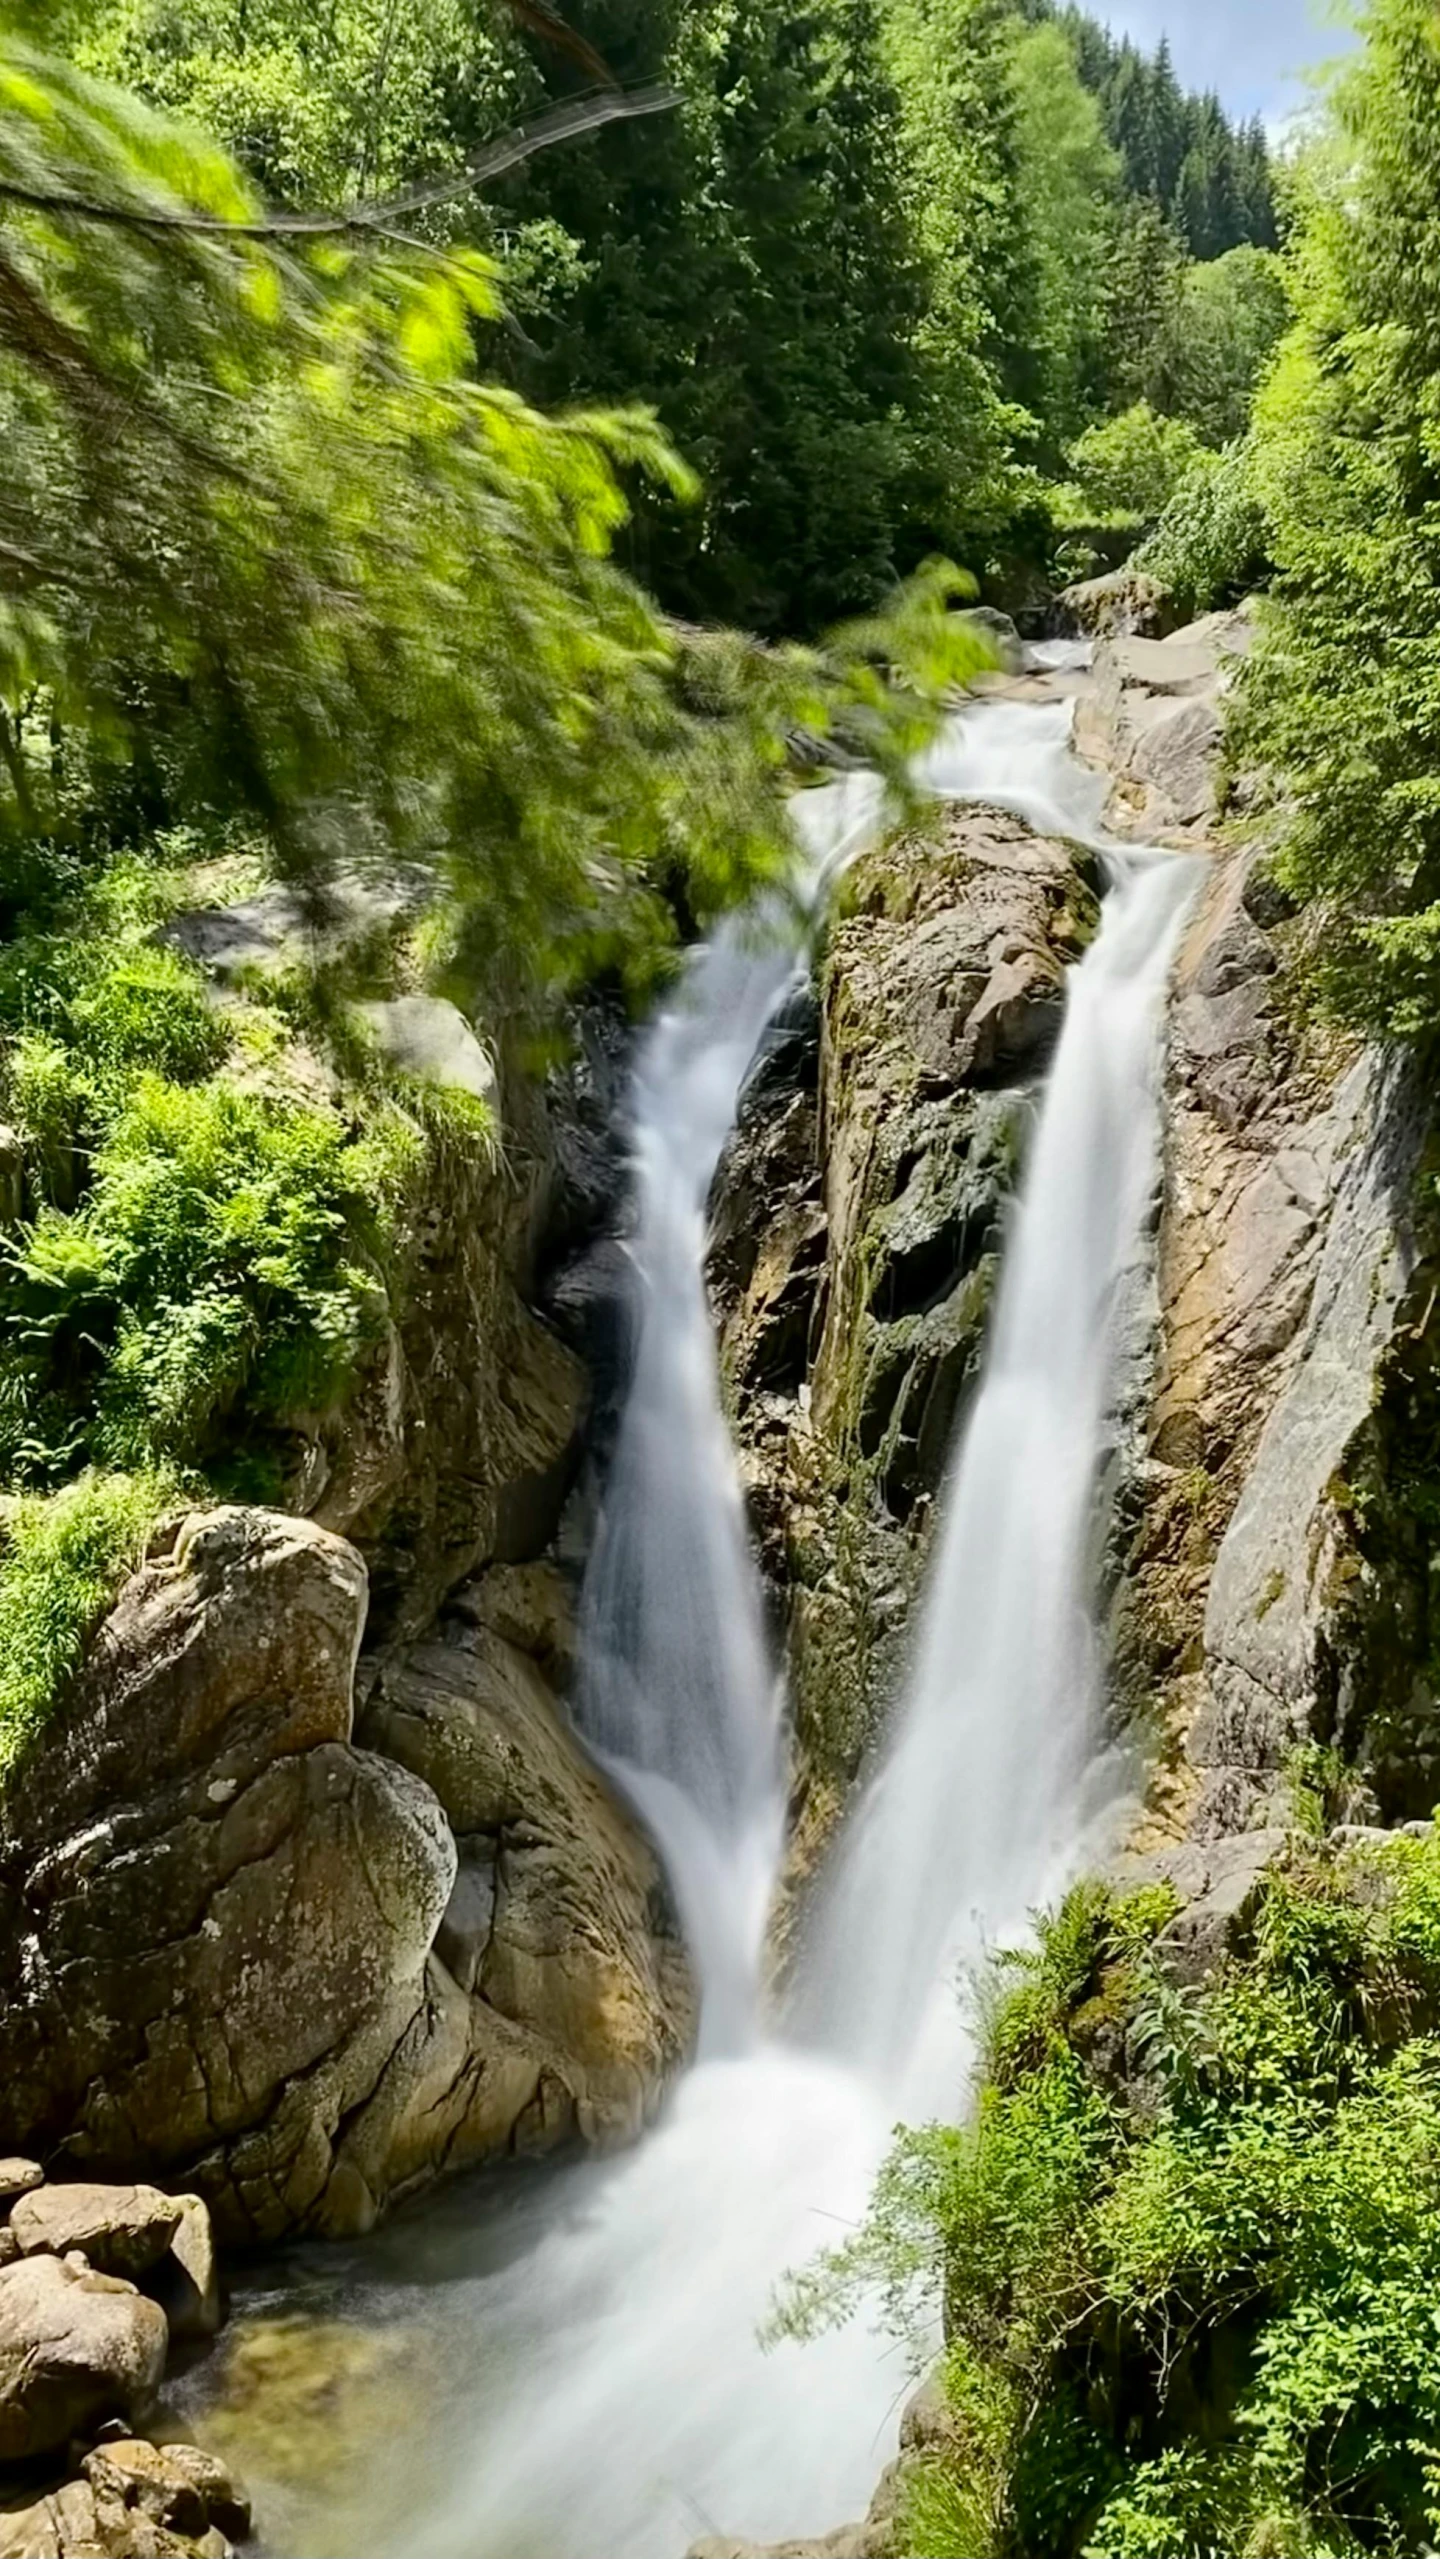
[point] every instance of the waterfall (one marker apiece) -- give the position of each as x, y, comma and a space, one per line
603, 2394
677, 1697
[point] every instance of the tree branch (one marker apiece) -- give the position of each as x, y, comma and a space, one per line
562, 124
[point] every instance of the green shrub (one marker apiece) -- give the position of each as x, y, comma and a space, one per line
1189, 2247
1209, 546
1133, 464
229, 1251
61, 1562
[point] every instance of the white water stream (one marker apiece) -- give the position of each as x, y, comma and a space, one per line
604, 2394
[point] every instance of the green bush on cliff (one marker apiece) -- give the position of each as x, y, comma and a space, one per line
1210, 544
61, 1562
1188, 2251
201, 1248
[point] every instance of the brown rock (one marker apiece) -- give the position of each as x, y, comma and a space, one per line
122, 2230
18, 2177
548, 1928
1123, 601
178, 2486
231, 1907
74, 2347
857, 1220
186, 2282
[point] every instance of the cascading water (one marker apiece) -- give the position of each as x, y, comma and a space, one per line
604, 2395
677, 1697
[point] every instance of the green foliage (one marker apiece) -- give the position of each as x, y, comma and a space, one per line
319, 108
61, 1563
200, 1251
1223, 327
1189, 2247
1341, 702
1068, 184
1210, 543
1134, 463
271, 546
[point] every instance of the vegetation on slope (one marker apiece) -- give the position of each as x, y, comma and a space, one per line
1188, 2251
883, 263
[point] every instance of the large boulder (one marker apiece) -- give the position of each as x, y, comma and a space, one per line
75, 2347
220, 1916
215, 1911
1152, 718
123, 2230
1123, 604
554, 1930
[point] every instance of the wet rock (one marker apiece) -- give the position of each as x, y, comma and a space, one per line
856, 1223
1122, 603
577, 2006
75, 2347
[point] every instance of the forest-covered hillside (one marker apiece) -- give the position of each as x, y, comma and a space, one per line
878, 270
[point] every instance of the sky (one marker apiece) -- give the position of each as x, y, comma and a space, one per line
1252, 51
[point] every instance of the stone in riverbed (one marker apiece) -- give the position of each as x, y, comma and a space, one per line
853, 2541
177, 2485
18, 2177
186, 2282
75, 2347
123, 2230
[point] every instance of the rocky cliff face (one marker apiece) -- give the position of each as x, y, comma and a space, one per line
857, 1229
307, 1893
257, 1958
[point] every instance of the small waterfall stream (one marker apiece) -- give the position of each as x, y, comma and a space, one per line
677, 1698
604, 2396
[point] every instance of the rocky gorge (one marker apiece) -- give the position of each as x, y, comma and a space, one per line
310, 1895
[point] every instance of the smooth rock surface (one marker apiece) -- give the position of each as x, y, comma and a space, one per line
1151, 716
75, 2347
578, 2000
215, 1912
186, 2282
122, 2230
